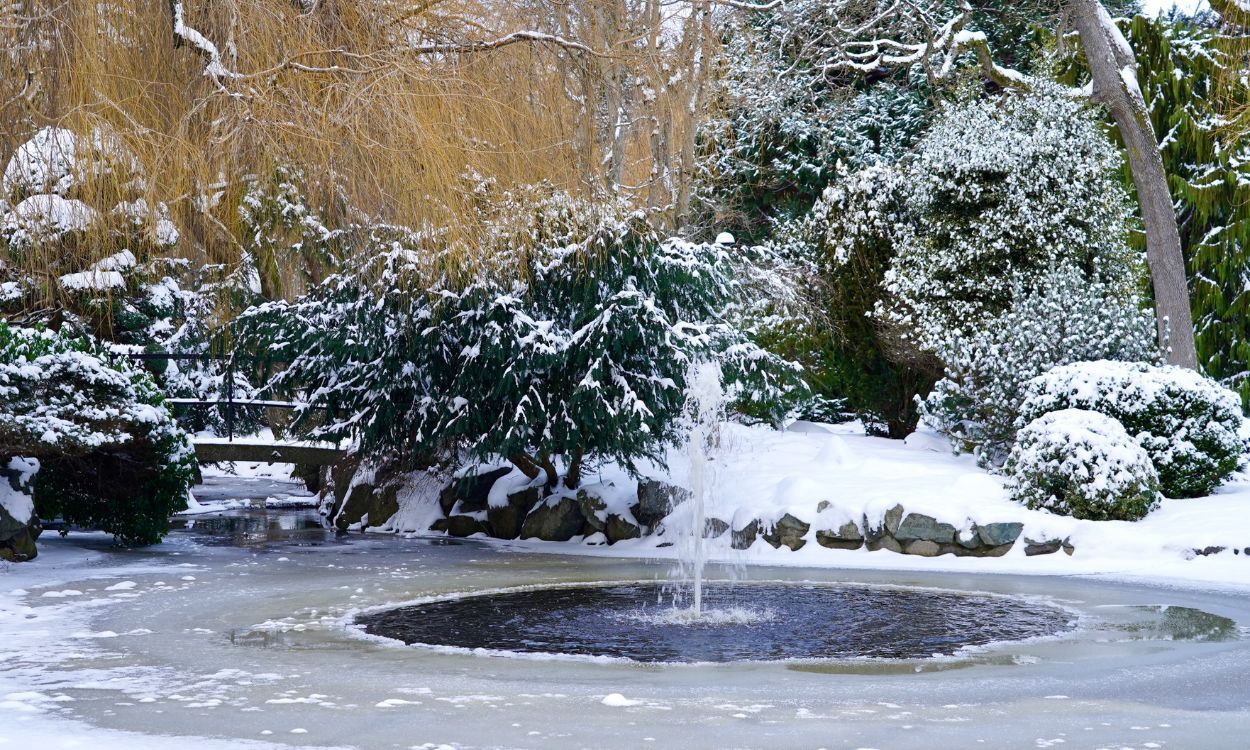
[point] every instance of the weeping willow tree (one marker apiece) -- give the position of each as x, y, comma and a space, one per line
402, 113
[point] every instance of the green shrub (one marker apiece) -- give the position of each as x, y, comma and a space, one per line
111, 456
1070, 319
1082, 464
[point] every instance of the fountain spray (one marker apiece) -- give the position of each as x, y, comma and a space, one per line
705, 400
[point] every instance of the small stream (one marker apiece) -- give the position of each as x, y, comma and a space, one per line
243, 626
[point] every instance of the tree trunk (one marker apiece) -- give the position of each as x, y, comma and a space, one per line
1114, 72
573, 477
525, 464
553, 476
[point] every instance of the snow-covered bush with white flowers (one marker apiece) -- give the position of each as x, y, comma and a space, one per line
1002, 190
1188, 424
1068, 319
567, 342
1083, 464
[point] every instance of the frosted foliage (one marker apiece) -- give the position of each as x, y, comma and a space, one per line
858, 210
1004, 190
1080, 463
573, 337
1067, 320
44, 164
61, 399
1188, 424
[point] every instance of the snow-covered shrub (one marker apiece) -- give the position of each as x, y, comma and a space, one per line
1068, 319
42, 219
61, 162
1188, 424
849, 237
110, 454
570, 338
1082, 464
1002, 191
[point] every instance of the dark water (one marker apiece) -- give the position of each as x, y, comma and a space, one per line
793, 622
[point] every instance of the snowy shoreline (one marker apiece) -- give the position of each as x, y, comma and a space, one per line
826, 475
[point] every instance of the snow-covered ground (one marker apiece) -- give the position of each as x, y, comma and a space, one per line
763, 473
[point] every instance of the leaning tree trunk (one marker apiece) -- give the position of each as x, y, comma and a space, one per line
1114, 71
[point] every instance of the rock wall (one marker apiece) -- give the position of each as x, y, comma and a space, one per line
532, 513
360, 494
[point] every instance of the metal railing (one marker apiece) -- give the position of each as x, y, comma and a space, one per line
230, 402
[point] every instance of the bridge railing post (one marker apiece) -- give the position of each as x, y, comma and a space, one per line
230, 401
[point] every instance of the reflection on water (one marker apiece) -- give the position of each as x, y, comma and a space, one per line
807, 622
253, 527
1181, 624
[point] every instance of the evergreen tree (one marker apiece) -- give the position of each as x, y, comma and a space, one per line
568, 342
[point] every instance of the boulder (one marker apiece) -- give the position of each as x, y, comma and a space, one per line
18, 534
922, 547
554, 522
618, 529
1042, 547
341, 474
460, 525
505, 520
714, 527
883, 542
743, 538
998, 534
919, 527
968, 539
471, 491
355, 505
846, 536
788, 531
656, 500
594, 509
889, 524
17, 538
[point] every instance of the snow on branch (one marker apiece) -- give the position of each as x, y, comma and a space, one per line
515, 37
907, 32
942, 44
184, 34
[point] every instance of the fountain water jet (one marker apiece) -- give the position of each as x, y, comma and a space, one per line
705, 402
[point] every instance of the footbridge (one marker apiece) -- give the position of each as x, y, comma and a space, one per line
256, 450
248, 449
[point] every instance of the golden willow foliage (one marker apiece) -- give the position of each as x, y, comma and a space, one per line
401, 110
1234, 83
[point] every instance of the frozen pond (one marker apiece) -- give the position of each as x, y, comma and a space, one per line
243, 630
